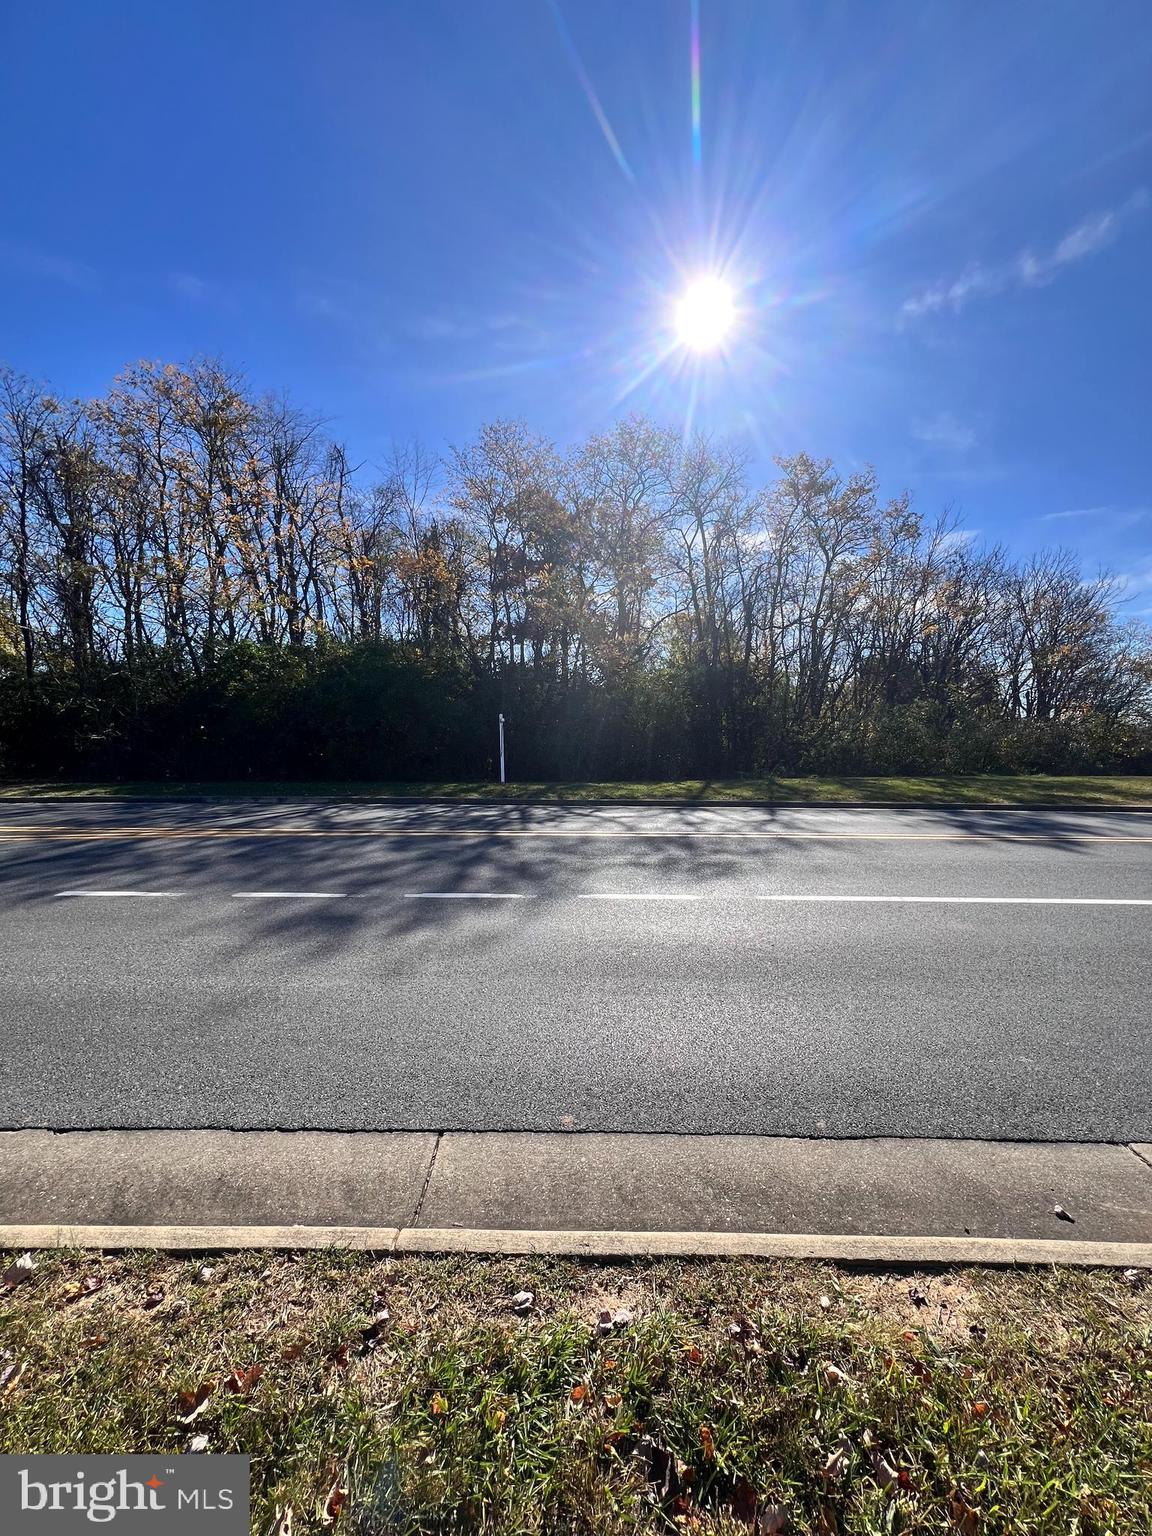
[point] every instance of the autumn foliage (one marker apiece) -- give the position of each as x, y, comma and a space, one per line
198, 582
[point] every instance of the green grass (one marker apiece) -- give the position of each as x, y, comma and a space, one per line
738, 1397
973, 789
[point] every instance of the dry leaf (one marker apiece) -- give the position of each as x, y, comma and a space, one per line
189, 1405
10, 1375
979, 1409
838, 1460
825, 1303
772, 1520
439, 1406
205, 1273
333, 1504
963, 1515
832, 1375
695, 1355
18, 1271
198, 1444
243, 1381
707, 1443
612, 1399
578, 1393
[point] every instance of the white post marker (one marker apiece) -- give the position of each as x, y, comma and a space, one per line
503, 777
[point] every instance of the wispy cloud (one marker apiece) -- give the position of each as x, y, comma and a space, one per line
958, 537
1027, 268
945, 431
49, 265
188, 286
459, 326
1115, 517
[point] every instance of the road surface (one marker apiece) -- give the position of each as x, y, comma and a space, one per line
822, 972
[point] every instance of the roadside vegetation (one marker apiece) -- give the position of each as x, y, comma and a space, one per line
975, 789
198, 582
548, 1396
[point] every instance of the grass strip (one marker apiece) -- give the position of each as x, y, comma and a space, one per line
420, 1395
972, 789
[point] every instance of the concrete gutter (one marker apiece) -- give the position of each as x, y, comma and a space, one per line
592, 1195
913, 1252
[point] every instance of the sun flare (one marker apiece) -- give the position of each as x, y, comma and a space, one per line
705, 314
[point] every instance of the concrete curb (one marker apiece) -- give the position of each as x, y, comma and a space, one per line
899, 1251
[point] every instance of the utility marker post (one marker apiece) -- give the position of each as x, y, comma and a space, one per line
503, 776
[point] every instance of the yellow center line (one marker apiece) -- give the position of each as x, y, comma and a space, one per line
67, 834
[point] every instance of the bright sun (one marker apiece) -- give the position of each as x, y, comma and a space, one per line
705, 314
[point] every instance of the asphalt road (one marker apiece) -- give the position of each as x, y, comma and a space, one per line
447, 967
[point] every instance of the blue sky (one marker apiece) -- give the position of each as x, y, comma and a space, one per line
415, 217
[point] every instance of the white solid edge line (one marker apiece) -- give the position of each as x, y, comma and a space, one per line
1027, 901
287, 895
119, 893
465, 896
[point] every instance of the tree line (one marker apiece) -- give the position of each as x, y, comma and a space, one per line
199, 581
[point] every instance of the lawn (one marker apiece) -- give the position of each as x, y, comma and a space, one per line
548, 1396
974, 789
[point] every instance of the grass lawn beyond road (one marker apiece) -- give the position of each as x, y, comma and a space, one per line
972, 789
552, 1396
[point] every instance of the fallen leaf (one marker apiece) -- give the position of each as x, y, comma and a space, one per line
661, 1469
826, 1521
198, 1444
205, 1273
707, 1443
695, 1355
96, 1341
81, 1288
339, 1356
772, 1520
838, 1460
745, 1500
963, 1515
832, 1375
18, 1271
439, 1406
608, 1365
10, 1375
884, 1473
979, 1409
333, 1504
612, 1399
293, 1351
242, 1382
578, 1393
191, 1404
523, 1301
825, 1303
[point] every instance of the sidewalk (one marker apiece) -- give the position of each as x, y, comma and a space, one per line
890, 1201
